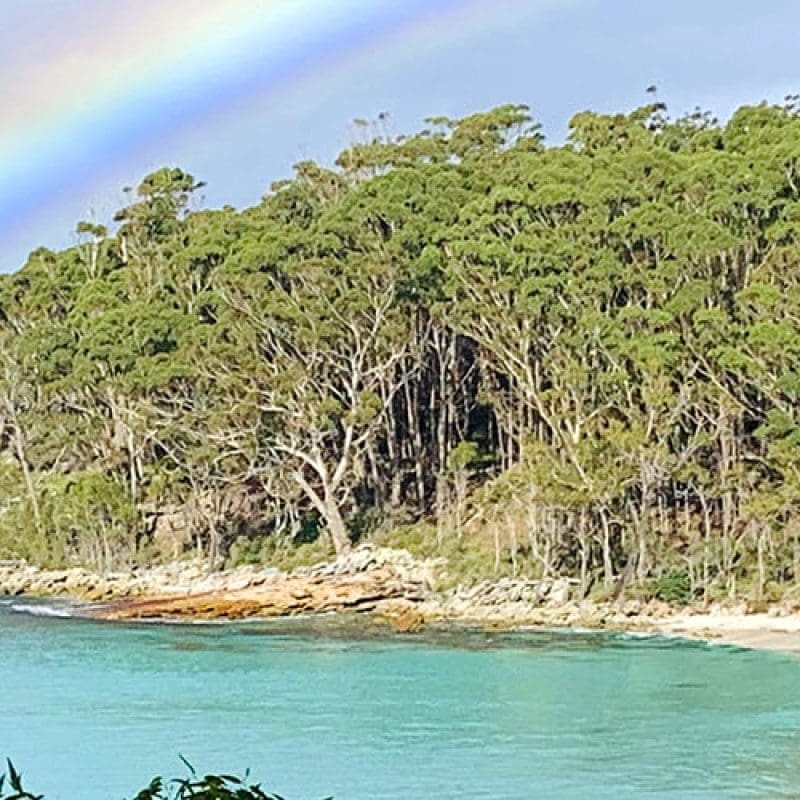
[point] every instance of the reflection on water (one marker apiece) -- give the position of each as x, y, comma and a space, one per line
323, 706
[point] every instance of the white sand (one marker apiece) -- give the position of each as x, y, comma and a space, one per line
760, 631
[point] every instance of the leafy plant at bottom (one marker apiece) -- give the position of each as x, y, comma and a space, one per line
193, 787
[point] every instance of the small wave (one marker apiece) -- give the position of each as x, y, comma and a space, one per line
43, 610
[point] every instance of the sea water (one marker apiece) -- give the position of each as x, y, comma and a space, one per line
91, 711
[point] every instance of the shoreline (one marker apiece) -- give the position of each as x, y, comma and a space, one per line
387, 587
759, 631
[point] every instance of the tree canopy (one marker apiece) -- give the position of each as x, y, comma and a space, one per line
588, 353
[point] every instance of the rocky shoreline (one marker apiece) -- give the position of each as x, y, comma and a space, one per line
379, 581
386, 584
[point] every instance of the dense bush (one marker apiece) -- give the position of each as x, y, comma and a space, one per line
193, 787
673, 587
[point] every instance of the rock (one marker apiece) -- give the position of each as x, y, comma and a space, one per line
291, 595
171, 531
238, 583
76, 580
403, 616
100, 590
657, 609
560, 593
367, 558
632, 608
387, 582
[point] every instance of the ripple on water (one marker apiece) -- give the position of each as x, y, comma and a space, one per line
317, 708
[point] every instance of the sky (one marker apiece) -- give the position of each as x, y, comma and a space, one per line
95, 94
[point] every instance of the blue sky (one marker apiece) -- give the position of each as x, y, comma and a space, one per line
558, 56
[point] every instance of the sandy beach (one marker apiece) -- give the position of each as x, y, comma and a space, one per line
759, 631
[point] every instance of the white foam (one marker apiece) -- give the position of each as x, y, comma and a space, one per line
42, 610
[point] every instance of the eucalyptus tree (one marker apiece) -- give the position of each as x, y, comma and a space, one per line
327, 339
584, 354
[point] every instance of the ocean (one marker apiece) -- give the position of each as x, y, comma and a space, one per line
91, 711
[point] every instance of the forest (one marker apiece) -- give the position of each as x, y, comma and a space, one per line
579, 359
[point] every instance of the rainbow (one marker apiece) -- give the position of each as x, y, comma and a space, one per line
102, 79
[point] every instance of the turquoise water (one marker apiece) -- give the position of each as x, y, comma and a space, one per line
91, 711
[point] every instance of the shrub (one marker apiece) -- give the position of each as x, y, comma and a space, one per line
196, 787
673, 587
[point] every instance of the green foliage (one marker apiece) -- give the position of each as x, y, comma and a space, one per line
580, 359
284, 555
85, 517
463, 456
197, 787
16, 791
673, 587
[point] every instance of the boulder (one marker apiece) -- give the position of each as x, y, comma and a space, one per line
404, 617
560, 592
657, 609
292, 595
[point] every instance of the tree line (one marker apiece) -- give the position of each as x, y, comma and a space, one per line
586, 353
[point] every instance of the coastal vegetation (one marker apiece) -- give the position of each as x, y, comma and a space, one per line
206, 787
578, 360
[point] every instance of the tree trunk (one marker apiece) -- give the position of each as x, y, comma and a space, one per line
608, 567
336, 527
19, 447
